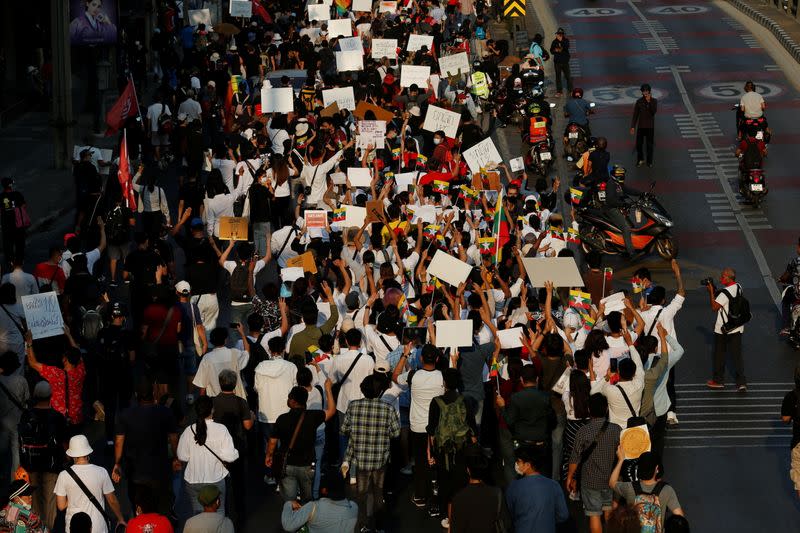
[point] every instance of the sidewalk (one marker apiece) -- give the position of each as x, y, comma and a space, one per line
785, 27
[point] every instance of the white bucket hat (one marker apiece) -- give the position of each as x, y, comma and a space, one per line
79, 446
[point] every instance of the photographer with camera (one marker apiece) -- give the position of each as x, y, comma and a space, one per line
733, 312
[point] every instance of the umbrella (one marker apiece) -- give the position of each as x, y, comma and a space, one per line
226, 28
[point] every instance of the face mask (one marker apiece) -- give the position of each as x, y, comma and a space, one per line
436, 141
24, 505
518, 469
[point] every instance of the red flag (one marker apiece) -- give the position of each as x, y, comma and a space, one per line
259, 10
124, 174
126, 107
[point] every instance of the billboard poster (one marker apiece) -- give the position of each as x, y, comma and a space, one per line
93, 22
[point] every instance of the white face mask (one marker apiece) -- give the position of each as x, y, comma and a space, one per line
24, 505
436, 140
518, 469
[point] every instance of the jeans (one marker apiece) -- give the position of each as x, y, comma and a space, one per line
657, 434
557, 436
422, 472
343, 439
642, 135
44, 499
13, 244
192, 491
673, 398
562, 69
370, 483
265, 429
260, 230
319, 447
724, 344
298, 478
507, 454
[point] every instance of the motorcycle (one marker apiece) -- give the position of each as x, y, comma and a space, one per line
539, 158
649, 221
794, 316
753, 185
576, 140
759, 127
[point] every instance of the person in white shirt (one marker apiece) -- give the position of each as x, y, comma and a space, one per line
425, 384
24, 283
727, 341
221, 358
70, 497
751, 103
281, 243
314, 174
152, 204
73, 248
349, 369
624, 398
205, 446
381, 339
154, 113
191, 107
277, 130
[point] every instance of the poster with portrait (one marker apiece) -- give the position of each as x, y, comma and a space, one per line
93, 22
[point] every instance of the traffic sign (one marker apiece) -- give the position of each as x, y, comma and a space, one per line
514, 8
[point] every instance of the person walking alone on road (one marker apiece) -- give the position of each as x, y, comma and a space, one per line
643, 124
560, 50
728, 340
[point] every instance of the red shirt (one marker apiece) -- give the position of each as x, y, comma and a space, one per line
55, 377
47, 274
154, 317
149, 523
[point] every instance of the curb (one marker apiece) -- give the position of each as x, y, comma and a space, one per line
42, 223
780, 34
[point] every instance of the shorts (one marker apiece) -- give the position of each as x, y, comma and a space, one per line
595, 501
159, 139
118, 252
794, 470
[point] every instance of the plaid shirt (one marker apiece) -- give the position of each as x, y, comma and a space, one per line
369, 424
598, 467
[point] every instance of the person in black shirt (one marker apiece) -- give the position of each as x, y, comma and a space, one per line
115, 353
13, 237
478, 506
299, 465
87, 186
560, 50
140, 270
790, 412
599, 160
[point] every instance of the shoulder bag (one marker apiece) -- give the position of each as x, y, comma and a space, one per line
338, 385
17, 324
587, 453
635, 419
281, 457
90, 496
224, 464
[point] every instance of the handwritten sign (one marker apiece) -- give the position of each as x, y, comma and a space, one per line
387, 6
342, 96
517, 164
233, 228
43, 314
362, 5
372, 132
454, 64
241, 8
200, 16
319, 12
349, 61
359, 177
384, 48
315, 218
482, 155
277, 100
351, 44
415, 42
339, 28
441, 119
414, 75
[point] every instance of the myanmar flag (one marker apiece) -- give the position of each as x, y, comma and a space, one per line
500, 227
555, 234
576, 195
431, 230
494, 370
588, 323
467, 193
339, 214
580, 299
573, 236
486, 245
441, 187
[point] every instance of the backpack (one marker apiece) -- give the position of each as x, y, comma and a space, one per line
545, 55
38, 448
117, 226
480, 32
452, 433
738, 313
257, 355
239, 292
165, 123
91, 322
752, 155
648, 507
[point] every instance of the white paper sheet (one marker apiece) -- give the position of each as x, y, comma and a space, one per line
449, 269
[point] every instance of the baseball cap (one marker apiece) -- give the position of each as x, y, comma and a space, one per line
196, 222
382, 366
352, 300
208, 495
211, 83
20, 487
183, 287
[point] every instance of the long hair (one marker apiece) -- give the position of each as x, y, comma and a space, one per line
595, 342
203, 408
579, 391
280, 169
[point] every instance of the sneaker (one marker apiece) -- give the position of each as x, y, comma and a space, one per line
270, 480
407, 470
639, 163
672, 418
711, 384
419, 502
742, 388
445, 523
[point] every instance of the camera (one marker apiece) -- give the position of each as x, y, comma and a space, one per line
705, 282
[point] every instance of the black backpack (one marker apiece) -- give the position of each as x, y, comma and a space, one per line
752, 155
239, 291
39, 450
738, 313
117, 227
257, 354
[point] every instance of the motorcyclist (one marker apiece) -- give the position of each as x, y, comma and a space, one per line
616, 193
791, 277
514, 92
481, 82
578, 110
599, 160
751, 106
751, 153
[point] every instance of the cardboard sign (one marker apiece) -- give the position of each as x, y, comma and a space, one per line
339, 28
510, 338
453, 333
482, 155
233, 228
315, 218
107, 156
437, 119
350, 61
562, 271
304, 261
319, 12
415, 42
374, 210
404, 179
359, 177
488, 181
454, 65
380, 113
330, 110
343, 96
449, 269
517, 164
387, 6
384, 48
351, 44
414, 74
277, 100
43, 314
200, 16
362, 5
241, 8
425, 213
292, 273
355, 216
614, 302
372, 132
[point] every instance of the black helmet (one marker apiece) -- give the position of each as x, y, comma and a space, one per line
618, 173
477, 65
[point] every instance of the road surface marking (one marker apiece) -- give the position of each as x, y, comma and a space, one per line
651, 29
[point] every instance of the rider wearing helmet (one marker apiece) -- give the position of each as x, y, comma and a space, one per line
480, 80
615, 200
